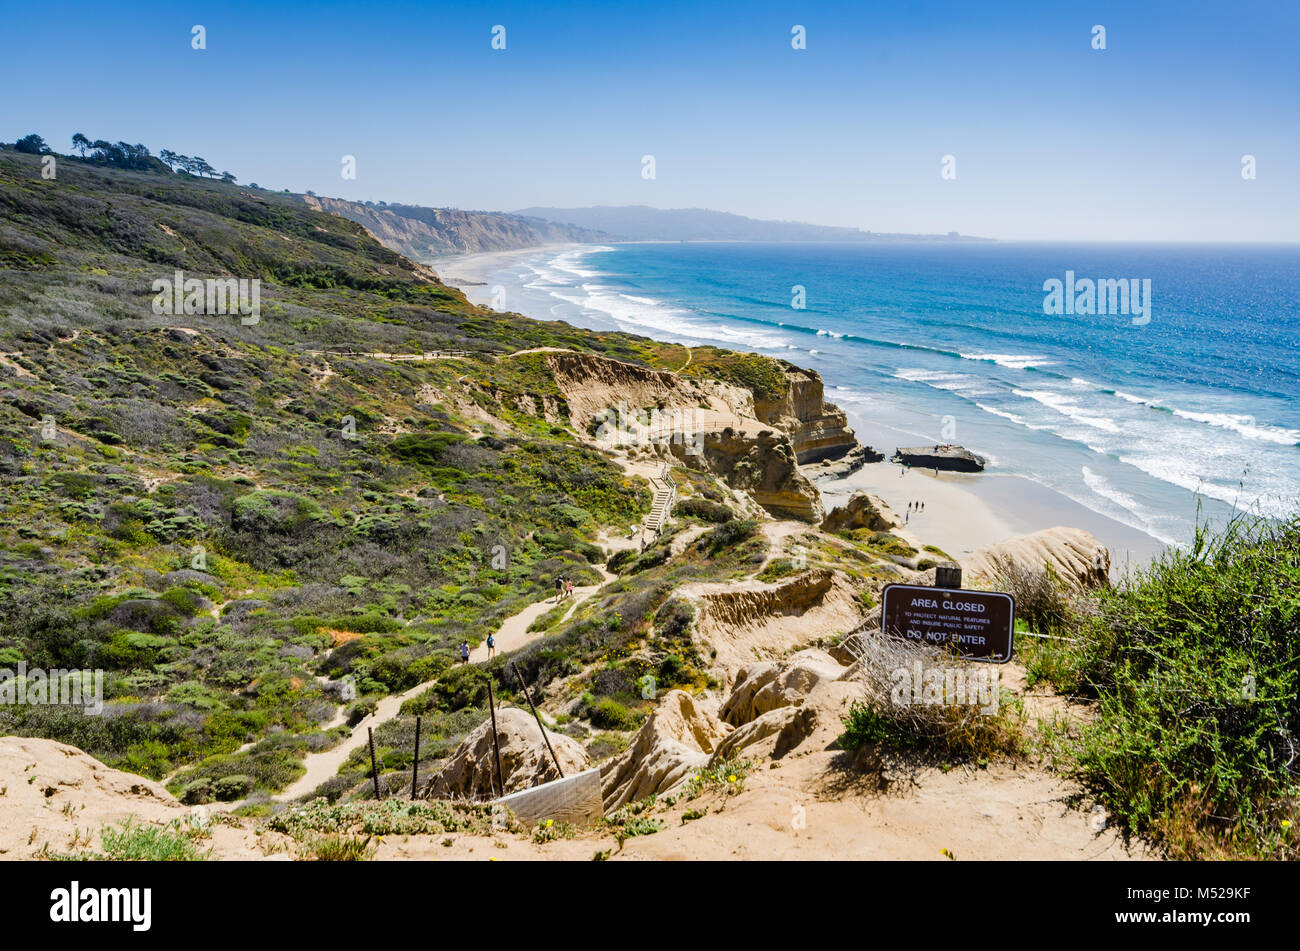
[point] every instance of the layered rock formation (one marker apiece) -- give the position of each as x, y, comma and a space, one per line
861, 511
817, 429
756, 620
768, 685
762, 464
621, 395
679, 738
706, 424
422, 233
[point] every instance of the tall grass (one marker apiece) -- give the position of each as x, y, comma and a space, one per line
1194, 663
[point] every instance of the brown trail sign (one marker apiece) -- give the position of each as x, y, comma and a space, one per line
977, 625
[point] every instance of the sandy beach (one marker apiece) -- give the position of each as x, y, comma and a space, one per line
965, 511
469, 272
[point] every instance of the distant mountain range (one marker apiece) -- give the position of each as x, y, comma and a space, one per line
643, 223
421, 234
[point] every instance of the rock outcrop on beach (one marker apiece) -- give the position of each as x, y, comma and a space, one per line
850, 462
1072, 553
947, 458
860, 511
525, 761
817, 429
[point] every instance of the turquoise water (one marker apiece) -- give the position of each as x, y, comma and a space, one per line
1135, 415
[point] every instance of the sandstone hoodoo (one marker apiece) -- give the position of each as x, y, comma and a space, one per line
861, 511
947, 457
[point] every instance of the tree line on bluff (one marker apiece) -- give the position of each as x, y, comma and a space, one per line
124, 155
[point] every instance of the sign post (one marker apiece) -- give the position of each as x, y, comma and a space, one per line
976, 625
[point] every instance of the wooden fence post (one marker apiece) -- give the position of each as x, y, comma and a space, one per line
947, 576
374, 767
545, 739
415, 763
496, 744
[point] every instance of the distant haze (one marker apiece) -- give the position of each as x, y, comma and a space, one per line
643, 223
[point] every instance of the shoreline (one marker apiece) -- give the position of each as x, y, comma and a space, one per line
477, 265
966, 511
963, 511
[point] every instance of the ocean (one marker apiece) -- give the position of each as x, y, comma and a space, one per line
1154, 417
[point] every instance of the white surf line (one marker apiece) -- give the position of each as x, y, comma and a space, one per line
511, 635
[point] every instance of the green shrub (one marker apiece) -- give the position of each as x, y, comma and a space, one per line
339, 848
703, 509
778, 568
621, 559
863, 725
1195, 666
129, 842
728, 535
609, 714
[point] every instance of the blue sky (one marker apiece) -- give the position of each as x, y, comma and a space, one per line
1052, 139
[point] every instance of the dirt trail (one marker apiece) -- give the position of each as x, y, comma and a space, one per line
512, 635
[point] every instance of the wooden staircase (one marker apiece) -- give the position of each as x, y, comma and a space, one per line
665, 495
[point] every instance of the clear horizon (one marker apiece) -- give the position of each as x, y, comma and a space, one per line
1052, 139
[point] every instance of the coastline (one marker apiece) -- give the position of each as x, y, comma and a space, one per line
963, 512
468, 273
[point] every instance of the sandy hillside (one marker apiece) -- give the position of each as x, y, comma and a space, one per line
54, 795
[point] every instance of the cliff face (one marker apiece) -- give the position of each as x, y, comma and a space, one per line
423, 233
818, 429
762, 464
708, 425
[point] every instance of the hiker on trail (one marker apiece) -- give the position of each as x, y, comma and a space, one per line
559, 588
492, 646
568, 587
464, 652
